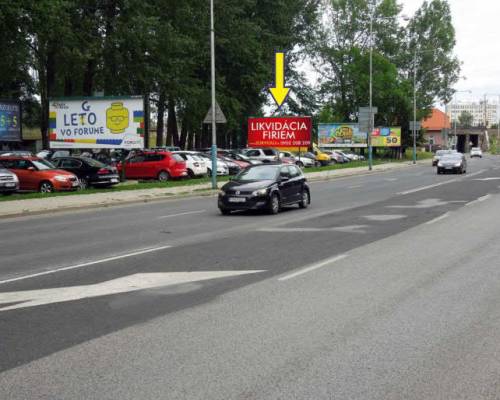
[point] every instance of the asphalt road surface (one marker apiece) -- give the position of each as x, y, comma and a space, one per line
387, 287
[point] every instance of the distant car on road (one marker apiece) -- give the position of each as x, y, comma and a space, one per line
439, 154
90, 172
39, 175
160, 165
476, 152
267, 186
9, 183
453, 162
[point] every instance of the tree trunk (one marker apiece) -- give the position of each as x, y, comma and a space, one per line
172, 131
68, 86
160, 124
48, 88
109, 48
88, 78
184, 134
190, 140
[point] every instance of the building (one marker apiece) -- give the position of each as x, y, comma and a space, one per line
484, 113
436, 129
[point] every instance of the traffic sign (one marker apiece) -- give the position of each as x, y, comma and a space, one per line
220, 118
415, 125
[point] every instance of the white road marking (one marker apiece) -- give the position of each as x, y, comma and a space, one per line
131, 283
180, 214
313, 267
441, 217
384, 217
86, 264
479, 200
419, 189
394, 179
349, 228
488, 179
355, 187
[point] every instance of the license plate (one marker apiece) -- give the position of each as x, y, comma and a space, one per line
114, 180
448, 167
9, 185
237, 199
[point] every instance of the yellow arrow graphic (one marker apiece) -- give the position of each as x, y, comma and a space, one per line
279, 91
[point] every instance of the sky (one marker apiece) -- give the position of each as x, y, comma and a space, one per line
477, 26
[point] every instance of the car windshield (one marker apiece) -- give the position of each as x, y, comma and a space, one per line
475, 149
261, 173
42, 165
452, 156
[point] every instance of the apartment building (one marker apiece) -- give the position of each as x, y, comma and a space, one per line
484, 113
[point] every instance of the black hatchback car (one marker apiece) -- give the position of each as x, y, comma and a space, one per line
267, 186
90, 172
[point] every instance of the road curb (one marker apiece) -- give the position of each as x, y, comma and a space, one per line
63, 204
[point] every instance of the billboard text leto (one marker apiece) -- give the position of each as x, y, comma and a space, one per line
10, 121
280, 132
386, 137
340, 135
97, 123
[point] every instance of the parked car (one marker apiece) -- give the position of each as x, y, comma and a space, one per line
322, 158
90, 172
37, 174
351, 156
298, 160
265, 155
222, 168
268, 187
453, 162
233, 155
11, 153
161, 165
196, 166
9, 183
337, 158
439, 154
166, 148
240, 163
476, 152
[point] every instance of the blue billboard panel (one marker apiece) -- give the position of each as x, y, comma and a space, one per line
10, 121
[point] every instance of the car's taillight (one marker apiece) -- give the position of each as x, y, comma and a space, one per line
103, 171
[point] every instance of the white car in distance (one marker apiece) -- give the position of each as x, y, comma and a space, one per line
196, 166
476, 152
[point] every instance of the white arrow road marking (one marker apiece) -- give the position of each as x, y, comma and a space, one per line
419, 189
441, 217
131, 283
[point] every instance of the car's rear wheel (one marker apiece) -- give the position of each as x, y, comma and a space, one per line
84, 184
209, 172
305, 200
274, 204
46, 187
317, 164
190, 173
300, 164
163, 176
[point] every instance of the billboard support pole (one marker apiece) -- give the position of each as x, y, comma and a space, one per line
214, 122
146, 120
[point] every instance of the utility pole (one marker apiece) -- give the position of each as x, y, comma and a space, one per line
415, 105
214, 123
370, 131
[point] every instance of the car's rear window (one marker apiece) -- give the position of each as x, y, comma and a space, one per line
177, 157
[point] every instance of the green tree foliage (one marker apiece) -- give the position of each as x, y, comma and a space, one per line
465, 119
424, 46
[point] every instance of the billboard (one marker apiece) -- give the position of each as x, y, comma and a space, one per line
340, 135
10, 121
386, 137
280, 132
98, 122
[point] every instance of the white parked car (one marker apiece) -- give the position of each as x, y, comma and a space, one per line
349, 154
265, 155
300, 161
222, 168
476, 152
195, 165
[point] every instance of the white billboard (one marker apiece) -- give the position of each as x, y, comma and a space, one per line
97, 123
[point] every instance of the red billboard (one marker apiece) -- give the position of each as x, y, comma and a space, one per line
280, 132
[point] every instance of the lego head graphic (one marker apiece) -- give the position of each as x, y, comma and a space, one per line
117, 118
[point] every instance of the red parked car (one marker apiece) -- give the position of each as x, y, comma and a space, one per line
161, 165
35, 173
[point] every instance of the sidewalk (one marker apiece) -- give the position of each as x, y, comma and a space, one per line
65, 203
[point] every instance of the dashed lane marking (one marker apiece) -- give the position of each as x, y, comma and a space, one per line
314, 267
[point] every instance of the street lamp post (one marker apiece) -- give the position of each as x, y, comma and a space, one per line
214, 123
370, 125
415, 106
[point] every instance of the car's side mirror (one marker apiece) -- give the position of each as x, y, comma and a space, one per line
284, 178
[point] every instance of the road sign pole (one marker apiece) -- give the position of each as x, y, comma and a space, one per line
214, 122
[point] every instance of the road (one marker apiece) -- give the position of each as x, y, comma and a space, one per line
387, 287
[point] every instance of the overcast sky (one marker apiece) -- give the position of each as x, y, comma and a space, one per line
477, 25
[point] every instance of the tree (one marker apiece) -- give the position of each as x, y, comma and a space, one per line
465, 119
